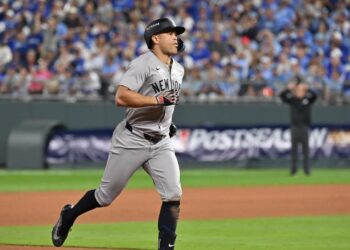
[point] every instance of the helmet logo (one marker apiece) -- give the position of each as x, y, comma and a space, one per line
172, 21
153, 25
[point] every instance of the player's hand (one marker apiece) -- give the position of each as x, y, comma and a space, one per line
169, 97
172, 130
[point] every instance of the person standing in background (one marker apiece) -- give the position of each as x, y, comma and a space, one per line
300, 98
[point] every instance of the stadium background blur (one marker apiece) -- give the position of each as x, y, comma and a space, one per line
60, 61
235, 50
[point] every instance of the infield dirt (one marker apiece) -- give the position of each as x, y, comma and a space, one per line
42, 208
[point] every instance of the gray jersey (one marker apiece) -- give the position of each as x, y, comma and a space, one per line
149, 76
142, 139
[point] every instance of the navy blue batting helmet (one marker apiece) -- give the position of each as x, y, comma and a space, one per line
160, 26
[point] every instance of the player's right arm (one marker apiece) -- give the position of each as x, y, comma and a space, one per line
126, 97
286, 94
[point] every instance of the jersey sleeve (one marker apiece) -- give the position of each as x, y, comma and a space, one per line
311, 96
134, 76
286, 96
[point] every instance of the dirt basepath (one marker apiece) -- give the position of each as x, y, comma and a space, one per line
42, 208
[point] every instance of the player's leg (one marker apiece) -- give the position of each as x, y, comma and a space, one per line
305, 149
119, 168
165, 172
294, 150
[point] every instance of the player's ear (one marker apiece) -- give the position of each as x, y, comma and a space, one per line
155, 39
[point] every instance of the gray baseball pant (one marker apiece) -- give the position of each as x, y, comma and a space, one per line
158, 160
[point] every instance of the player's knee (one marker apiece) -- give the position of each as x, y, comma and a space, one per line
106, 203
103, 198
175, 195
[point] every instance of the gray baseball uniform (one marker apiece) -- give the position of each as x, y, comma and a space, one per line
142, 138
133, 144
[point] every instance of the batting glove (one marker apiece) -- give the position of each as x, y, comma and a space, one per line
169, 97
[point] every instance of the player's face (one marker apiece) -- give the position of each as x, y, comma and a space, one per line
168, 42
300, 90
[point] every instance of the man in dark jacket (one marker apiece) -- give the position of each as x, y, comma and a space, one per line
300, 98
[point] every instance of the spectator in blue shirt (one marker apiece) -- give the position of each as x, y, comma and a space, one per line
201, 51
268, 20
335, 63
108, 70
303, 56
285, 15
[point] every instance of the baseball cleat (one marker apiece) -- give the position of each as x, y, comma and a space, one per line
61, 228
166, 239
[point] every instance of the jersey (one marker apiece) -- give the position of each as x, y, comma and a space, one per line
130, 150
300, 107
149, 76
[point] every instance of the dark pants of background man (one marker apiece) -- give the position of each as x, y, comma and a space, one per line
300, 136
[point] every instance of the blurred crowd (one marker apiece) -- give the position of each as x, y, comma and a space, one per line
234, 48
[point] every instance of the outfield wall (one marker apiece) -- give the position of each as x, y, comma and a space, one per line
92, 115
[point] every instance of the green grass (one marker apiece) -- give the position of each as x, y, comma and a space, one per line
46, 180
294, 233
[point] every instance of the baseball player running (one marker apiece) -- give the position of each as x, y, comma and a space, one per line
149, 89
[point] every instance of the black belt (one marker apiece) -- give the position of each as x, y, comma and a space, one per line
153, 139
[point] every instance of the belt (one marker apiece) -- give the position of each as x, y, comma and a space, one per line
151, 138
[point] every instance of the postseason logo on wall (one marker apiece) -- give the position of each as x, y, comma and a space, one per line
218, 144
207, 144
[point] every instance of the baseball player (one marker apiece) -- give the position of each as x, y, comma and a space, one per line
149, 89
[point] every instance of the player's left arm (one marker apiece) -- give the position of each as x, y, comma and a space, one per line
311, 95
